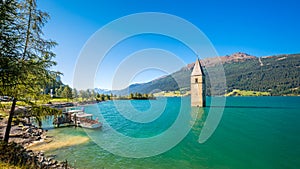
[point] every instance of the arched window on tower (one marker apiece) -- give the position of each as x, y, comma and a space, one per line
196, 80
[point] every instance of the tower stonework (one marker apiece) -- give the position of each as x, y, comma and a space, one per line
198, 86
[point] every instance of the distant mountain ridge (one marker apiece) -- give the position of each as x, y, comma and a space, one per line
236, 57
102, 91
278, 75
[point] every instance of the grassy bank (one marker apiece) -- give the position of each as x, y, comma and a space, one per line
237, 92
171, 94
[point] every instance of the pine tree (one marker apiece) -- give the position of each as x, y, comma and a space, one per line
26, 57
67, 92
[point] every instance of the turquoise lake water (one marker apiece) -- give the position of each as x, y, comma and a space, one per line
254, 132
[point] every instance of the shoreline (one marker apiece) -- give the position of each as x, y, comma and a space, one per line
22, 137
35, 141
26, 135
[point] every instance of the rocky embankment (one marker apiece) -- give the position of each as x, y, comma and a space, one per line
23, 135
22, 132
16, 154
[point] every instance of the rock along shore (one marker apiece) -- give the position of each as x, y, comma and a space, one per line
23, 135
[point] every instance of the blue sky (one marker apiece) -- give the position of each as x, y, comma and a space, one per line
259, 28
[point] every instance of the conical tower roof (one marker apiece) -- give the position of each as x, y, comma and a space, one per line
197, 71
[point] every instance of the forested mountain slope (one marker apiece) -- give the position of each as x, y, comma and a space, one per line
279, 75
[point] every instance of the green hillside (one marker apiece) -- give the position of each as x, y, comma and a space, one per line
277, 75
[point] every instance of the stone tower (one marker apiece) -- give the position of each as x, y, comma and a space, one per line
198, 86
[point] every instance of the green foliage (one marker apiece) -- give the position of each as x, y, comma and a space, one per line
26, 57
75, 94
84, 94
140, 96
103, 97
42, 112
237, 92
67, 92
59, 90
58, 100
9, 40
278, 75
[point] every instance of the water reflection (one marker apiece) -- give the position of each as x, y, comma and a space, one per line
198, 117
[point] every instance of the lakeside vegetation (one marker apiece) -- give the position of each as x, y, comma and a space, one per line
26, 71
137, 96
66, 94
176, 93
237, 92
26, 58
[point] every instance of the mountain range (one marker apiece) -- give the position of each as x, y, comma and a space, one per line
278, 75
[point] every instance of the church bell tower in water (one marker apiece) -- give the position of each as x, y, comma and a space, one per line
198, 86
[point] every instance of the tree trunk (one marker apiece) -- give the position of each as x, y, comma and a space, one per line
11, 114
28, 30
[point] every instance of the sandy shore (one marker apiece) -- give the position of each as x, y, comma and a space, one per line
56, 143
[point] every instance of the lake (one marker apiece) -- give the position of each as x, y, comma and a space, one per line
254, 132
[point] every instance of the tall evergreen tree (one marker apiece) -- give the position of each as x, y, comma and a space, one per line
26, 57
67, 92
75, 93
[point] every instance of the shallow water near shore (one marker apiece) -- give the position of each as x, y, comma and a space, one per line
61, 138
254, 132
